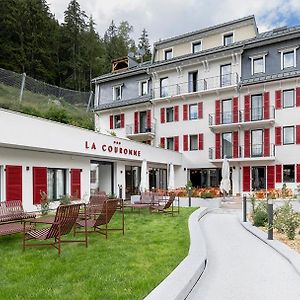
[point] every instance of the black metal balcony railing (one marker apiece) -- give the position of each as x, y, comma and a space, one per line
195, 86
253, 151
253, 114
139, 128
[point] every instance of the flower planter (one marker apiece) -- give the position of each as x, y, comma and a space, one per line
201, 202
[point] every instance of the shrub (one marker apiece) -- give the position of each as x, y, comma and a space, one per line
57, 114
291, 224
206, 195
280, 216
65, 199
44, 203
260, 214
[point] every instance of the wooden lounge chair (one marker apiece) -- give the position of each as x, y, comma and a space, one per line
103, 218
168, 207
64, 221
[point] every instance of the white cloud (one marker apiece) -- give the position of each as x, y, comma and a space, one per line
166, 18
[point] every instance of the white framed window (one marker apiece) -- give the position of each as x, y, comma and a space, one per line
196, 46
170, 143
164, 87
193, 111
57, 183
143, 88
288, 135
168, 53
288, 58
170, 114
117, 92
228, 38
288, 172
193, 142
117, 121
258, 64
288, 98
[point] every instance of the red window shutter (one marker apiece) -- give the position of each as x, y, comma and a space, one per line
267, 142
235, 144
247, 143
218, 111
247, 108
235, 105
148, 119
136, 122
266, 105
278, 173
13, 183
176, 113
200, 110
39, 183
185, 142
162, 115
270, 177
200, 141
111, 122
298, 96
298, 173
246, 179
298, 134
218, 145
278, 99
122, 121
185, 112
162, 142
76, 183
277, 136
176, 143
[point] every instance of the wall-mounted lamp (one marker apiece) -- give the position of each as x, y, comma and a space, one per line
184, 169
27, 168
121, 171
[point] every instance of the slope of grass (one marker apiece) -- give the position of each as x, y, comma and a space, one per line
46, 107
122, 267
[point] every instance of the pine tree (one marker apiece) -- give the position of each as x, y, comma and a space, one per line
144, 46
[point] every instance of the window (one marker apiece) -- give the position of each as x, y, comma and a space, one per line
193, 142
227, 144
225, 75
56, 183
196, 47
193, 112
170, 143
164, 87
256, 107
257, 143
288, 173
143, 88
288, 98
226, 111
193, 81
288, 135
143, 121
117, 92
258, 65
228, 39
168, 54
289, 59
117, 121
1, 182
170, 114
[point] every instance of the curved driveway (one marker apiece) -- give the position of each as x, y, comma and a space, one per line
240, 266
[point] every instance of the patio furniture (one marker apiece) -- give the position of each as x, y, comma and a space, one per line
167, 208
64, 221
108, 209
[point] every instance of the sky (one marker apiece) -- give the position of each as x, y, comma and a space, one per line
167, 18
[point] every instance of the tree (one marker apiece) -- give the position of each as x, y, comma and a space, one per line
144, 46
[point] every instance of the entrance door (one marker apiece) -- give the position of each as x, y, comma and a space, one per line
132, 178
258, 178
101, 178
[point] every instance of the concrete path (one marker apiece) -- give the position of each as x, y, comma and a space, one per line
240, 266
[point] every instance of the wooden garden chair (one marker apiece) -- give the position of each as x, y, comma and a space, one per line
109, 208
65, 219
167, 208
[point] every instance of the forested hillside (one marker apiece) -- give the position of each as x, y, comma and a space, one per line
67, 54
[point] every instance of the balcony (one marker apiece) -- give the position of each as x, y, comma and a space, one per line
256, 152
261, 117
195, 87
140, 132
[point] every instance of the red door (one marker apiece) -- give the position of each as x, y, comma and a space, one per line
13, 183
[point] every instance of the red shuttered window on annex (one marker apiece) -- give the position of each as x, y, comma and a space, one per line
76, 183
246, 179
13, 183
39, 183
270, 177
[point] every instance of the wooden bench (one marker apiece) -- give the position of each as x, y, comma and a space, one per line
11, 216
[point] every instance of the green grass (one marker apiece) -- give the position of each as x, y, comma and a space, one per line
122, 267
45, 107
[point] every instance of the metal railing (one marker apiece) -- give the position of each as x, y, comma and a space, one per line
194, 86
139, 128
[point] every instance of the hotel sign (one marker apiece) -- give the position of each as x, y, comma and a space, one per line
115, 148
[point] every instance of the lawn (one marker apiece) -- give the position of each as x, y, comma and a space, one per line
122, 267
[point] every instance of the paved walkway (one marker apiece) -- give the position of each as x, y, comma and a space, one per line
240, 266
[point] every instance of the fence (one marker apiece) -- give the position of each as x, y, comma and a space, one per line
26, 83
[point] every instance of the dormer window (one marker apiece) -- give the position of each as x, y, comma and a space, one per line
168, 54
143, 88
196, 47
228, 39
288, 58
258, 64
117, 92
